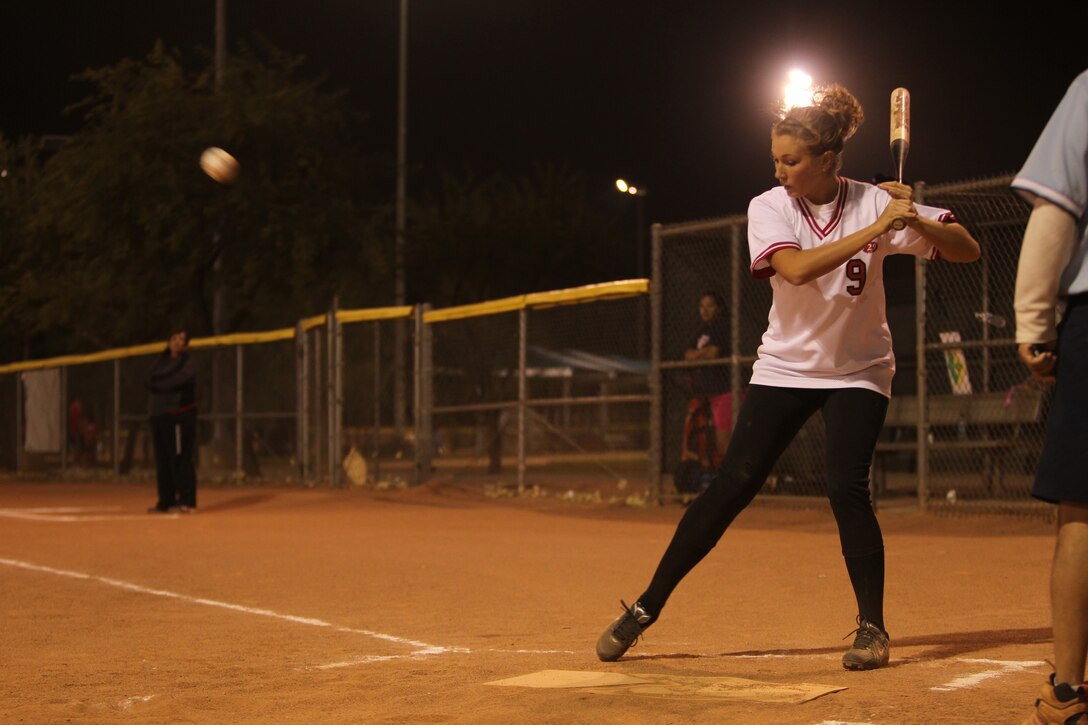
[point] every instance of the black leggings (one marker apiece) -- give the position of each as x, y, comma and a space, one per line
174, 437
769, 419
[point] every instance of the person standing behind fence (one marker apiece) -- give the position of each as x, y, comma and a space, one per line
172, 383
1054, 267
822, 240
712, 383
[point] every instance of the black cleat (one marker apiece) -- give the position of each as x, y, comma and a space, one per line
622, 634
870, 648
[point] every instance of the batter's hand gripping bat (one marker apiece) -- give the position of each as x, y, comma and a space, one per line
900, 137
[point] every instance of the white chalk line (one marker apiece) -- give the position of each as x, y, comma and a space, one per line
424, 649
72, 514
64, 509
1004, 667
421, 648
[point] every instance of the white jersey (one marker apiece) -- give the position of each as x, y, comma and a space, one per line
831, 332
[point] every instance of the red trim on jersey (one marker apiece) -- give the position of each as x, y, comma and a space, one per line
946, 218
836, 217
768, 271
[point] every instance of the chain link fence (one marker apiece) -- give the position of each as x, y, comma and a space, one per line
571, 387
545, 391
310, 405
984, 419
691, 260
964, 429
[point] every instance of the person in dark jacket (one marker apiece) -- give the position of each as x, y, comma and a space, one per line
172, 382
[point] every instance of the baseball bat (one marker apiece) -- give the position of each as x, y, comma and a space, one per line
899, 139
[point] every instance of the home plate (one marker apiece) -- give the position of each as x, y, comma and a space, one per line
682, 686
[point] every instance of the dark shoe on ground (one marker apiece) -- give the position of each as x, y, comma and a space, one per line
870, 648
622, 634
158, 510
1061, 705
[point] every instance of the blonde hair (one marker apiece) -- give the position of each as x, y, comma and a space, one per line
833, 117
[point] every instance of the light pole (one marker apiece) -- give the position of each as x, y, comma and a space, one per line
219, 296
639, 192
400, 378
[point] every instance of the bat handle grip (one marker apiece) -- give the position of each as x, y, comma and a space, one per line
899, 223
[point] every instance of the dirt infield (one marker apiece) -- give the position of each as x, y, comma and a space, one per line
277, 604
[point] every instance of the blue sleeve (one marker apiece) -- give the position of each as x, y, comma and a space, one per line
1057, 168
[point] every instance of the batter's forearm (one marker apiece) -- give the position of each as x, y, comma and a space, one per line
800, 266
953, 241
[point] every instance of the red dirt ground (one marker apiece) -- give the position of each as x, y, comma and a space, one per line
277, 604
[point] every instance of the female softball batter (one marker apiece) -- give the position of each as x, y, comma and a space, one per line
821, 239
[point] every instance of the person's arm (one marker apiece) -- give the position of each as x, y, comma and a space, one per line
1049, 242
177, 376
702, 353
952, 240
800, 266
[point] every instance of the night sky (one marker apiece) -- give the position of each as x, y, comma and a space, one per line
671, 95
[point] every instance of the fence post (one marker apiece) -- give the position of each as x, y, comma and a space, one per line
523, 337
377, 400
63, 420
922, 434
302, 402
116, 437
338, 398
736, 265
332, 394
19, 460
239, 472
423, 394
656, 406
319, 420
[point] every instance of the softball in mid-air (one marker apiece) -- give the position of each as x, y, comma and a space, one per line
219, 165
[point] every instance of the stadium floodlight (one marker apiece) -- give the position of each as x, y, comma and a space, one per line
626, 188
798, 92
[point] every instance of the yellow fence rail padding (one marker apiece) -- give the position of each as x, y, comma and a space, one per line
587, 293
365, 315
381, 313
574, 295
590, 293
309, 323
244, 338
150, 348
479, 309
101, 356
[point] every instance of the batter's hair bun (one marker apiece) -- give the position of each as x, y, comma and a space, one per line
833, 117
841, 105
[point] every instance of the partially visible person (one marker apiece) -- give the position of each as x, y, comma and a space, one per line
82, 434
1053, 273
75, 429
172, 383
712, 383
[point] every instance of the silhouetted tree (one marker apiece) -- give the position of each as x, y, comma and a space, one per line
126, 236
